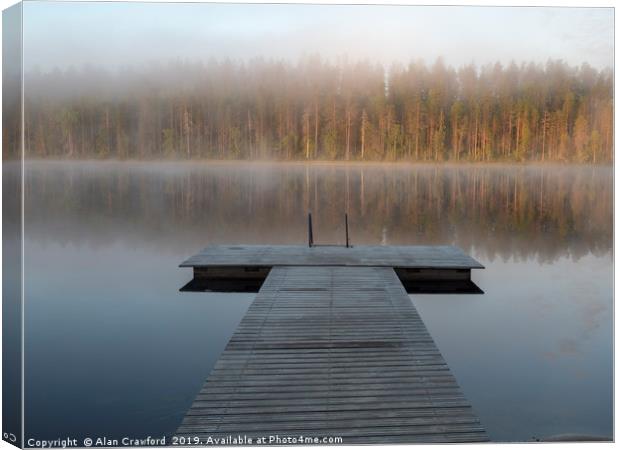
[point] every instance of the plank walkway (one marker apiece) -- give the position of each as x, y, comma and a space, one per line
333, 351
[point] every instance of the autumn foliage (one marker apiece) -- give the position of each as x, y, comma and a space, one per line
320, 110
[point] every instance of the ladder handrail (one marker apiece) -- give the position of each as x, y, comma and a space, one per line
346, 230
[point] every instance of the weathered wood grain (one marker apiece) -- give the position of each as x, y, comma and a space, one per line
265, 256
332, 351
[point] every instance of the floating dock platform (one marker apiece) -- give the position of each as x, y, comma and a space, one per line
332, 347
421, 269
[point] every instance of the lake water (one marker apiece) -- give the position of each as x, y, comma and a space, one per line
114, 349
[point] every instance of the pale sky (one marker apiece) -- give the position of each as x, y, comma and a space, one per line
61, 34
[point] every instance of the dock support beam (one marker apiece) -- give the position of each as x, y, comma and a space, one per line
346, 229
310, 238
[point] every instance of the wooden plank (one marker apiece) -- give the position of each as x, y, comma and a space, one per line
264, 256
332, 351
319, 415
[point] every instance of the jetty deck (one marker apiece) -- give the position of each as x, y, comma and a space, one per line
332, 346
421, 269
414, 256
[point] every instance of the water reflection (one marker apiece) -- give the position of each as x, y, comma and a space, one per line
519, 212
113, 348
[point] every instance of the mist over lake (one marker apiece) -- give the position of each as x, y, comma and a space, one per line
112, 346
465, 152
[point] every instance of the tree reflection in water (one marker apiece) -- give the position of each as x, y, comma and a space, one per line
541, 212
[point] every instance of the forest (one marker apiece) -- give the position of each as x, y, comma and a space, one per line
317, 109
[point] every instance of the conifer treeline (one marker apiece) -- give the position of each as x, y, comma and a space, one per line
323, 110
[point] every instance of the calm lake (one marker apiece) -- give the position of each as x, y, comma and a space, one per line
114, 349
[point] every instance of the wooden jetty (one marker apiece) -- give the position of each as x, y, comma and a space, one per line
332, 346
421, 268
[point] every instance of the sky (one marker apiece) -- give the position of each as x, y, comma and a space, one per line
112, 35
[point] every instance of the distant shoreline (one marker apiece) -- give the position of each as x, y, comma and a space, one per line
266, 162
